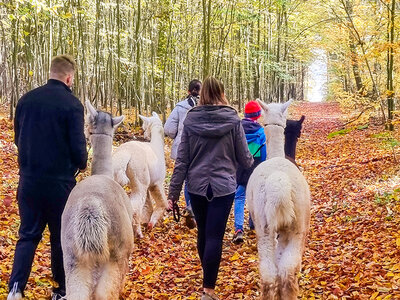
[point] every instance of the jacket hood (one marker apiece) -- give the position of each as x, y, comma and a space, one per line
184, 103
211, 120
250, 126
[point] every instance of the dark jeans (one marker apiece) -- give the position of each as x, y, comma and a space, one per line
40, 203
211, 218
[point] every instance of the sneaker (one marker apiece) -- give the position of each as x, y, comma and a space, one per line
57, 296
206, 296
15, 293
238, 237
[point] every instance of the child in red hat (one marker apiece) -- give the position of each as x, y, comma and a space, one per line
255, 137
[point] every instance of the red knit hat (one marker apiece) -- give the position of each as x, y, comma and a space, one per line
252, 110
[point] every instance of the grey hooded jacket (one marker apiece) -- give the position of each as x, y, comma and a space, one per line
213, 144
174, 125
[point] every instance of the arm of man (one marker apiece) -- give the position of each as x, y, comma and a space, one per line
77, 139
16, 125
181, 168
172, 123
243, 155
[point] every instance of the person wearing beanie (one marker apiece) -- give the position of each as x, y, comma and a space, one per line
256, 141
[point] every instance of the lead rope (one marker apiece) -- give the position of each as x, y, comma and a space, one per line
176, 212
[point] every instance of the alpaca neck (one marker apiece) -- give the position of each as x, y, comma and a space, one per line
275, 141
157, 141
102, 148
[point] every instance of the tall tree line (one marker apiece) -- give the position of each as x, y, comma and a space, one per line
142, 54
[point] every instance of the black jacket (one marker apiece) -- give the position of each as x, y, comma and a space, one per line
49, 125
213, 145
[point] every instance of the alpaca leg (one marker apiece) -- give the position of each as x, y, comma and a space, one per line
157, 192
137, 200
109, 284
289, 266
78, 282
147, 209
266, 243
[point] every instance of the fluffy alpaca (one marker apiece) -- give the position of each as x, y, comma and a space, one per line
96, 228
292, 134
142, 166
279, 203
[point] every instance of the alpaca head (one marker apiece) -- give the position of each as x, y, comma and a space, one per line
292, 134
100, 122
293, 127
149, 123
275, 113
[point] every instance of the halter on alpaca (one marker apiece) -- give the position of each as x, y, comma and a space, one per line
279, 203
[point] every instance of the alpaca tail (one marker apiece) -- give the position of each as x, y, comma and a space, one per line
91, 230
279, 207
120, 163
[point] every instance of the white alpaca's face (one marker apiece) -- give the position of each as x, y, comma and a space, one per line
99, 122
275, 113
148, 123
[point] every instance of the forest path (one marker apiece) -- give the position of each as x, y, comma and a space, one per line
353, 248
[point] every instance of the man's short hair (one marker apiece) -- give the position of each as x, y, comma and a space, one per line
62, 65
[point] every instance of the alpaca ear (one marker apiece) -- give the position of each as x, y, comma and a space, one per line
117, 121
143, 118
92, 111
285, 106
302, 119
263, 105
154, 114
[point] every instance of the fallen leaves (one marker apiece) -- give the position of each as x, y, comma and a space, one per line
353, 248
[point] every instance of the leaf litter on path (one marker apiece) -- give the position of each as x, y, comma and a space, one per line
353, 249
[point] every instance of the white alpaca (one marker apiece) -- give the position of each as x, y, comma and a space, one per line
142, 166
96, 229
279, 202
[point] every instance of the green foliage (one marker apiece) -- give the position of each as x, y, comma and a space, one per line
387, 197
338, 132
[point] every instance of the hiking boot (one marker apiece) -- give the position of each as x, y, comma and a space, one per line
238, 237
15, 293
190, 222
206, 296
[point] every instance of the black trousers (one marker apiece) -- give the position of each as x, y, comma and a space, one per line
211, 218
40, 203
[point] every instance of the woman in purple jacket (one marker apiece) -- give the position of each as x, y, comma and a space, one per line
213, 145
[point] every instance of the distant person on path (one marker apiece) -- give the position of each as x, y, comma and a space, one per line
173, 128
213, 144
255, 137
49, 134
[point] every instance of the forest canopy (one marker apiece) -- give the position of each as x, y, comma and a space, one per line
142, 54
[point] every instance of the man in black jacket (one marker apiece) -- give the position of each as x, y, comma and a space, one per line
49, 134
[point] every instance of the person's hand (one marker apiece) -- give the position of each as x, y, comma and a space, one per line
170, 204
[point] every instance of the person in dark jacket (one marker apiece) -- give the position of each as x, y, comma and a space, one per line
255, 137
213, 145
49, 134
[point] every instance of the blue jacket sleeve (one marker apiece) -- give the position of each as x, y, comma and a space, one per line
243, 155
172, 124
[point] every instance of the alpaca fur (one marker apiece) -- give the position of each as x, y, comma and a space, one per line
141, 165
292, 134
279, 203
96, 227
